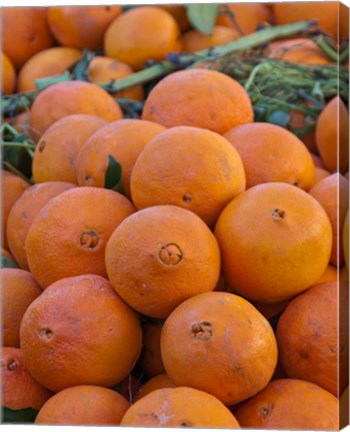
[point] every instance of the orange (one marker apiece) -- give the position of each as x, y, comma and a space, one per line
332, 135
290, 404
151, 359
179, 407
124, 140
68, 236
271, 153
159, 257
72, 97
25, 32
80, 332
83, 405
56, 153
46, 63
104, 69
318, 161
194, 40
249, 16
326, 14
272, 309
179, 13
7, 254
23, 213
189, 167
201, 98
8, 75
329, 275
21, 123
157, 382
345, 239
321, 174
140, 34
275, 241
311, 347
13, 187
333, 194
18, 388
219, 343
19, 290
81, 26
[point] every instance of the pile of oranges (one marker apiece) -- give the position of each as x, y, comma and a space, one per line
209, 286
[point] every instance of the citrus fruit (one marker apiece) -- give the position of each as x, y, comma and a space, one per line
345, 240
8, 75
248, 16
179, 12
329, 275
194, 40
321, 174
157, 382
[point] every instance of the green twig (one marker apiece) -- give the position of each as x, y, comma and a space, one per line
16, 171
23, 144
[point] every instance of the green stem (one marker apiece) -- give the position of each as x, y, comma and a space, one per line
15, 171
231, 15
327, 49
344, 55
18, 144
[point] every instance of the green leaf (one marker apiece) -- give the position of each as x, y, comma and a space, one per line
7, 262
113, 175
26, 415
80, 68
203, 16
43, 83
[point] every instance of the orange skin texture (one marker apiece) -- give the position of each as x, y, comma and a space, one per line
290, 404
179, 407
151, 360
282, 233
248, 16
333, 126
165, 172
321, 174
318, 161
326, 13
83, 405
8, 75
157, 382
72, 97
46, 63
300, 50
19, 290
23, 213
199, 343
13, 187
329, 275
152, 264
56, 154
194, 40
124, 140
104, 69
68, 236
81, 26
333, 195
199, 98
180, 15
80, 332
26, 32
271, 153
311, 347
160, 35
19, 390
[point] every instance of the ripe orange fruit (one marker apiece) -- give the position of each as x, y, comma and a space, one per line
326, 14
333, 195
8, 75
83, 405
201, 98
194, 40
318, 161
7, 254
104, 69
26, 32
345, 239
321, 174
46, 63
14, 187
81, 26
124, 140
151, 359
56, 153
157, 382
219, 343
311, 346
80, 332
332, 135
152, 264
290, 404
140, 34
68, 236
271, 153
23, 213
179, 407
179, 13
189, 167
329, 275
282, 233
72, 97
247, 15
19, 290
19, 390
